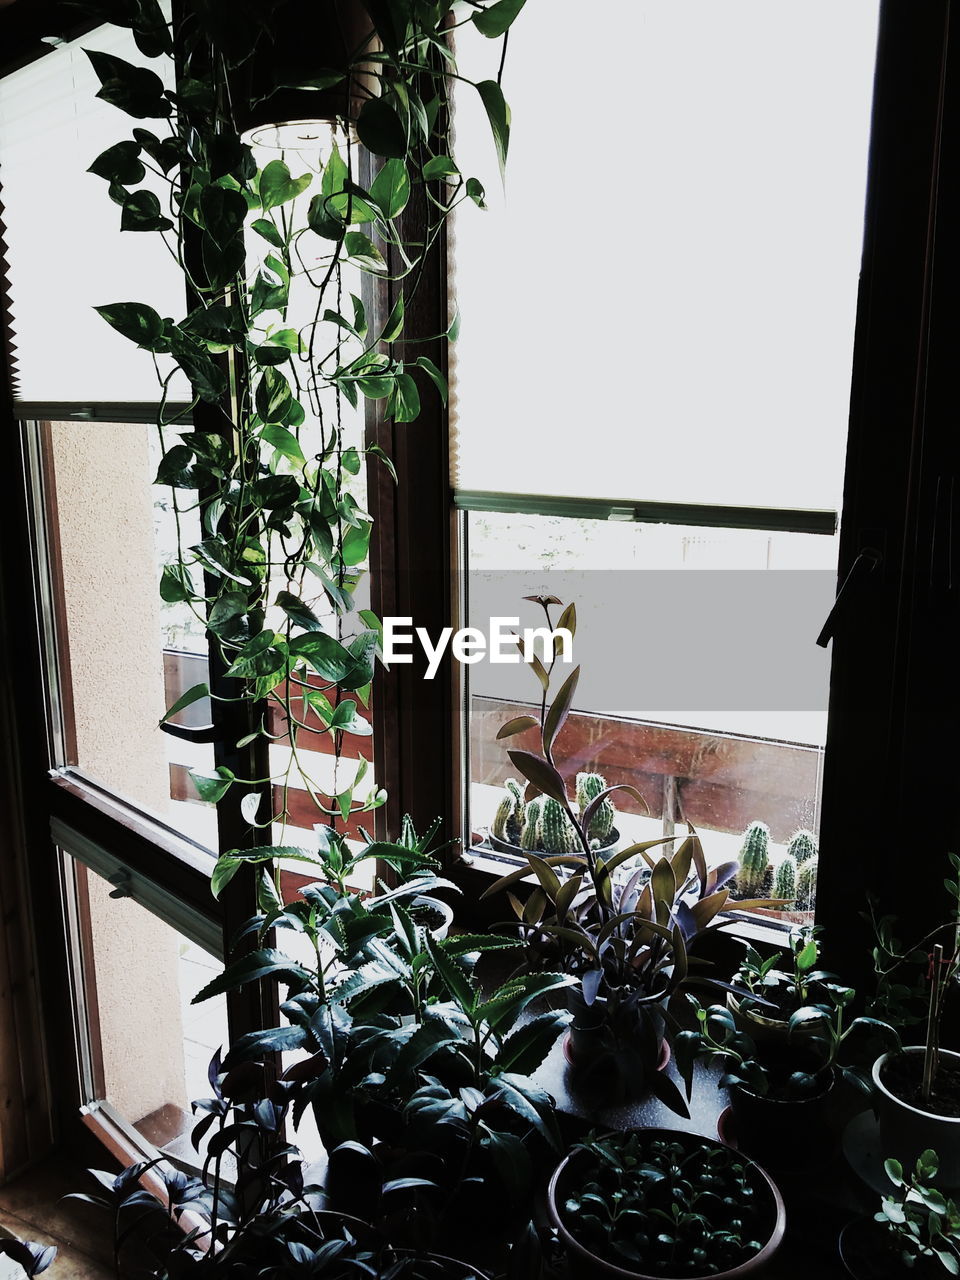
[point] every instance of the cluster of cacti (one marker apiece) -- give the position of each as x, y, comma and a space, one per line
785, 878
557, 832
753, 859
807, 884
542, 824
589, 786
802, 846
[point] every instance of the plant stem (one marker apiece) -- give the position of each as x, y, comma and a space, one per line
930, 1053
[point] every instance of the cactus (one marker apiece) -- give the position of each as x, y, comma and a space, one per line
753, 858
498, 827
530, 836
807, 884
557, 833
785, 878
589, 786
803, 845
516, 826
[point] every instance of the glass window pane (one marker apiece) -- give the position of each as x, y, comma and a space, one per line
140, 977
130, 655
65, 254
666, 290
700, 685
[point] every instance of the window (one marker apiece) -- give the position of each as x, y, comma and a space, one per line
664, 444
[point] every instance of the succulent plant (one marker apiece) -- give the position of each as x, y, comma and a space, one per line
807, 884
803, 845
498, 826
785, 878
589, 786
753, 858
530, 836
557, 833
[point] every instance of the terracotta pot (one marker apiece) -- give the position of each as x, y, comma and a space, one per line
907, 1130
588, 1266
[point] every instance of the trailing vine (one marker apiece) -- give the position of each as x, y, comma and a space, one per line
277, 344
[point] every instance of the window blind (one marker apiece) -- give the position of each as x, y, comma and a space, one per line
661, 305
64, 249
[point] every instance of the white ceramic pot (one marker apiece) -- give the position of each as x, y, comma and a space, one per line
906, 1130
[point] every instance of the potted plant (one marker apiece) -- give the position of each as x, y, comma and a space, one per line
780, 1089
621, 924
765, 996
252, 1211
917, 1228
541, 825
653, 1202
918, 1086
793, 878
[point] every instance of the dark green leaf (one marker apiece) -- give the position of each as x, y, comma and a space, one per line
223, 213
175, 584
284, 442
404, 400
266, 963
439, 167
136, 321
434, 374
476, 193
496, 20
135, 90
264, 227
381, 130
226, 615
543, 775
356, 544
327, 656
174, 468
141, 212
277, 186
213, 788
390, 189
498, 114
298, 612
185, 700
360, 249
120, 163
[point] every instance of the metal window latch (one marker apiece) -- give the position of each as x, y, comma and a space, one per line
868, 559
121, 882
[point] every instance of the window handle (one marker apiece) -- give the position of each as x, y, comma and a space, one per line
868, 558
941, 541
202, 733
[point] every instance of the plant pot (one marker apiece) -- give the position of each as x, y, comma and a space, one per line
761, 1029
603, 1058
586, 1265
514, 850
906, 1129
784, 1133
867, 1253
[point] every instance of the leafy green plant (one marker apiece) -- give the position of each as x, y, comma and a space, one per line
759, 979
278, 343
820, 1043
922, 1223
666, 1204
250, 1211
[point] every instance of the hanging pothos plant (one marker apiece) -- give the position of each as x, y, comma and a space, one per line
278, 341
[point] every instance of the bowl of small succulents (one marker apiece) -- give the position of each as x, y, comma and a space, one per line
541, 825
650, 1203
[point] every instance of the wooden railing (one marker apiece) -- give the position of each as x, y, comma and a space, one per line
718, 781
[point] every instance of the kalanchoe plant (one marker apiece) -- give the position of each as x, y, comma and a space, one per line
279, 343
667, 1204
624, 936
922, 1224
